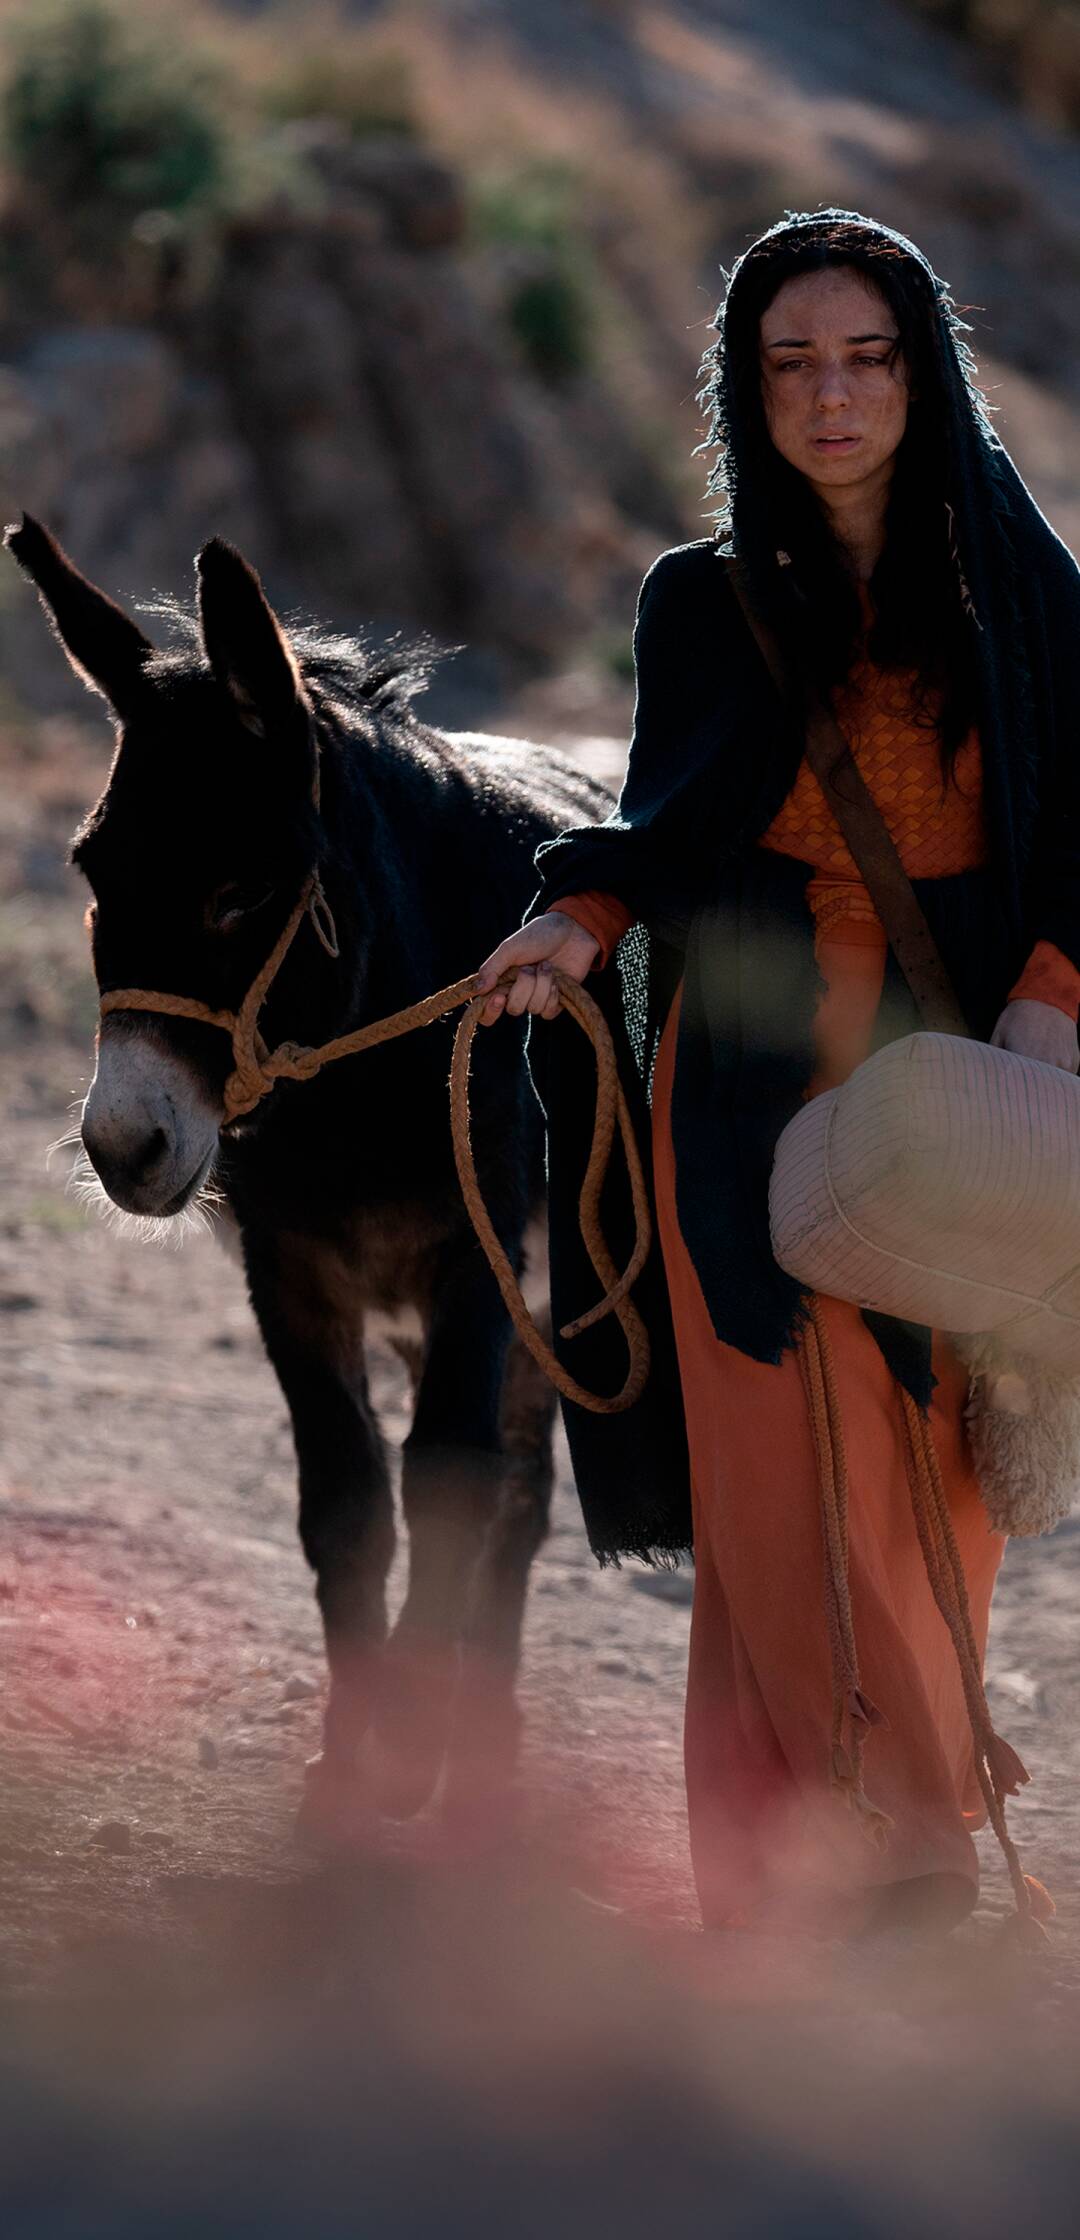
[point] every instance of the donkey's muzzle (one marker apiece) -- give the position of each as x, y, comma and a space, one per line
148, 1126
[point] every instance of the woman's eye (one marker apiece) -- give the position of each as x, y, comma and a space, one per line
233, 902
796, 365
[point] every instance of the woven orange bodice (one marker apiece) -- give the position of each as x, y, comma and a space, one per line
938, 828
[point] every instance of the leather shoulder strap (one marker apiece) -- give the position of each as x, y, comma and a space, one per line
867, 835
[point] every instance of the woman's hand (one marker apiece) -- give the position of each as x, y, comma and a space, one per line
1038, 1030
553, 943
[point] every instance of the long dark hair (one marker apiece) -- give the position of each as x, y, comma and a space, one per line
922, 619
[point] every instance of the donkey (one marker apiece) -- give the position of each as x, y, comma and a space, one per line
246, 759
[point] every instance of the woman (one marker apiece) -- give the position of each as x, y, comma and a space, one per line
886, 538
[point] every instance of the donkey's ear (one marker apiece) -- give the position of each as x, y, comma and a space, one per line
104, 646
247, 648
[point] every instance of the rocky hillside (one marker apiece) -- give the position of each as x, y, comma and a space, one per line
410, 303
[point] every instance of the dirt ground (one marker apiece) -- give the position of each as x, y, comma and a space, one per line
162, 1666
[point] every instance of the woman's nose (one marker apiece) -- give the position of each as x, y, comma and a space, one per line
833, 388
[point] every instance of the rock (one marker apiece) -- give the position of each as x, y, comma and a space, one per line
208, 1752
251, 1749
113, 1836
31, 472
132, 458
420, 198
1021, 1688
416, 473
666, 1586
293, 353
109, 392
297, 1688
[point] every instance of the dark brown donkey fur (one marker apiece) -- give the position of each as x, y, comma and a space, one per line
342, 1188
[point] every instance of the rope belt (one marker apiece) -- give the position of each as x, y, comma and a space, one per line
999, 1771
256, 1069
255, 1072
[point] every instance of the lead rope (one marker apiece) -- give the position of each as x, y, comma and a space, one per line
999, 1770
256, 1069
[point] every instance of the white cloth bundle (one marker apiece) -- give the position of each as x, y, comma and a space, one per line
941, 1183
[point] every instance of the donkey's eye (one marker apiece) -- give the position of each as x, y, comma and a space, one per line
233, 902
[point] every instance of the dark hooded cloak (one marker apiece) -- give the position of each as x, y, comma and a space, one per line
713, 754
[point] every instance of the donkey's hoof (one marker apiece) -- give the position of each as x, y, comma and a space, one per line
484, 1750
403, 1791
412, 1725
334, 1813
404, 1769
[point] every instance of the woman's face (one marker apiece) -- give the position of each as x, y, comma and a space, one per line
834, 385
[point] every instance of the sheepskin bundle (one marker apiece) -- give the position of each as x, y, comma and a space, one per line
941, 1183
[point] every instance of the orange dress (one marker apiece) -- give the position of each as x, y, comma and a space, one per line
765, 1828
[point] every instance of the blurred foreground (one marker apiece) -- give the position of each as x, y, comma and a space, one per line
399, 2051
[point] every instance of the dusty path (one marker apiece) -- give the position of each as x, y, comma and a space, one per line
161, 1658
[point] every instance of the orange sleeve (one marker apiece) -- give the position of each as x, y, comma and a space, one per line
1047, 977
602, 915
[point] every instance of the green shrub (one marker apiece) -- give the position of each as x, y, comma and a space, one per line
549, 318
103, 123
550, 296
617, 654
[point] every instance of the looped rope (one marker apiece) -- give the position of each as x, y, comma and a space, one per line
256, 1070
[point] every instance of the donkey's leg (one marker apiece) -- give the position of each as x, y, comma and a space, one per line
453, 1472
517, 1533
487, 1722
527, 1422
305, 1299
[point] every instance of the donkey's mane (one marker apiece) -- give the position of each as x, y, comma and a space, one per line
348, 674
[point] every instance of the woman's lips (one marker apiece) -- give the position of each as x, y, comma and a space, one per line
834, 443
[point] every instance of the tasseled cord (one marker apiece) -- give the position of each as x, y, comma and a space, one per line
853, 1714
999, 1770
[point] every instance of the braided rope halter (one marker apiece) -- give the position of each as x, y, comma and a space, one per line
256, 1070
